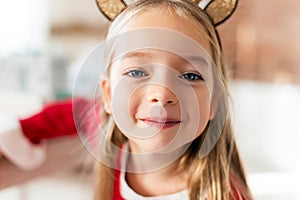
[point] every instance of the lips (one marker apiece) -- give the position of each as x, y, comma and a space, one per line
161, 122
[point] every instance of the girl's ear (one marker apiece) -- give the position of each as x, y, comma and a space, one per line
106, 94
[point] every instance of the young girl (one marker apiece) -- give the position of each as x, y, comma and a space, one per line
167, 130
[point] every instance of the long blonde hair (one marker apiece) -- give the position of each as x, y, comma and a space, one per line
220, 172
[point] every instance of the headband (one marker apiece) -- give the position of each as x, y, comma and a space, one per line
218, 10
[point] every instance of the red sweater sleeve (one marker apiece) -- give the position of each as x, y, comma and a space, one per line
54, 120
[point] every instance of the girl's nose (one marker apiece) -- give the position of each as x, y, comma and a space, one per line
162, 95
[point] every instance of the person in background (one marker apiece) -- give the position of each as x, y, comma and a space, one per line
23, 141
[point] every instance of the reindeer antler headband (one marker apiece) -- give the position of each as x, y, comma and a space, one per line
218, 10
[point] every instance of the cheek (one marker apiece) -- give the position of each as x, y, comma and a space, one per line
204, 106
132, 103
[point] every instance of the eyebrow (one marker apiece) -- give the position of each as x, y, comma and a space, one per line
198, 59
189, 58
136, 54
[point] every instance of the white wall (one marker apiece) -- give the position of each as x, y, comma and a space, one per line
75, 12
267, 127
24, 26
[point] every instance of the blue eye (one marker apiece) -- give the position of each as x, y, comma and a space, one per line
190, 76
135, 73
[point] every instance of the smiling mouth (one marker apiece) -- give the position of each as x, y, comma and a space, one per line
161, 123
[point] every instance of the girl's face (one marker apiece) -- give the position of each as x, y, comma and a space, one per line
157, 88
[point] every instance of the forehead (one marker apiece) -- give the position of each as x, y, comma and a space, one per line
156, 55
167, 19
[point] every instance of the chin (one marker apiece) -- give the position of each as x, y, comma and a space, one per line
149, 145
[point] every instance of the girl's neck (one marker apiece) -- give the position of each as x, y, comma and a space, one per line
163, 181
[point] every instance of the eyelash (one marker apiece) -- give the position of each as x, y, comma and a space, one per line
141, 73
196, 77
131, 72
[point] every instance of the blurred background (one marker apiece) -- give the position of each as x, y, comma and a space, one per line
43, 44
